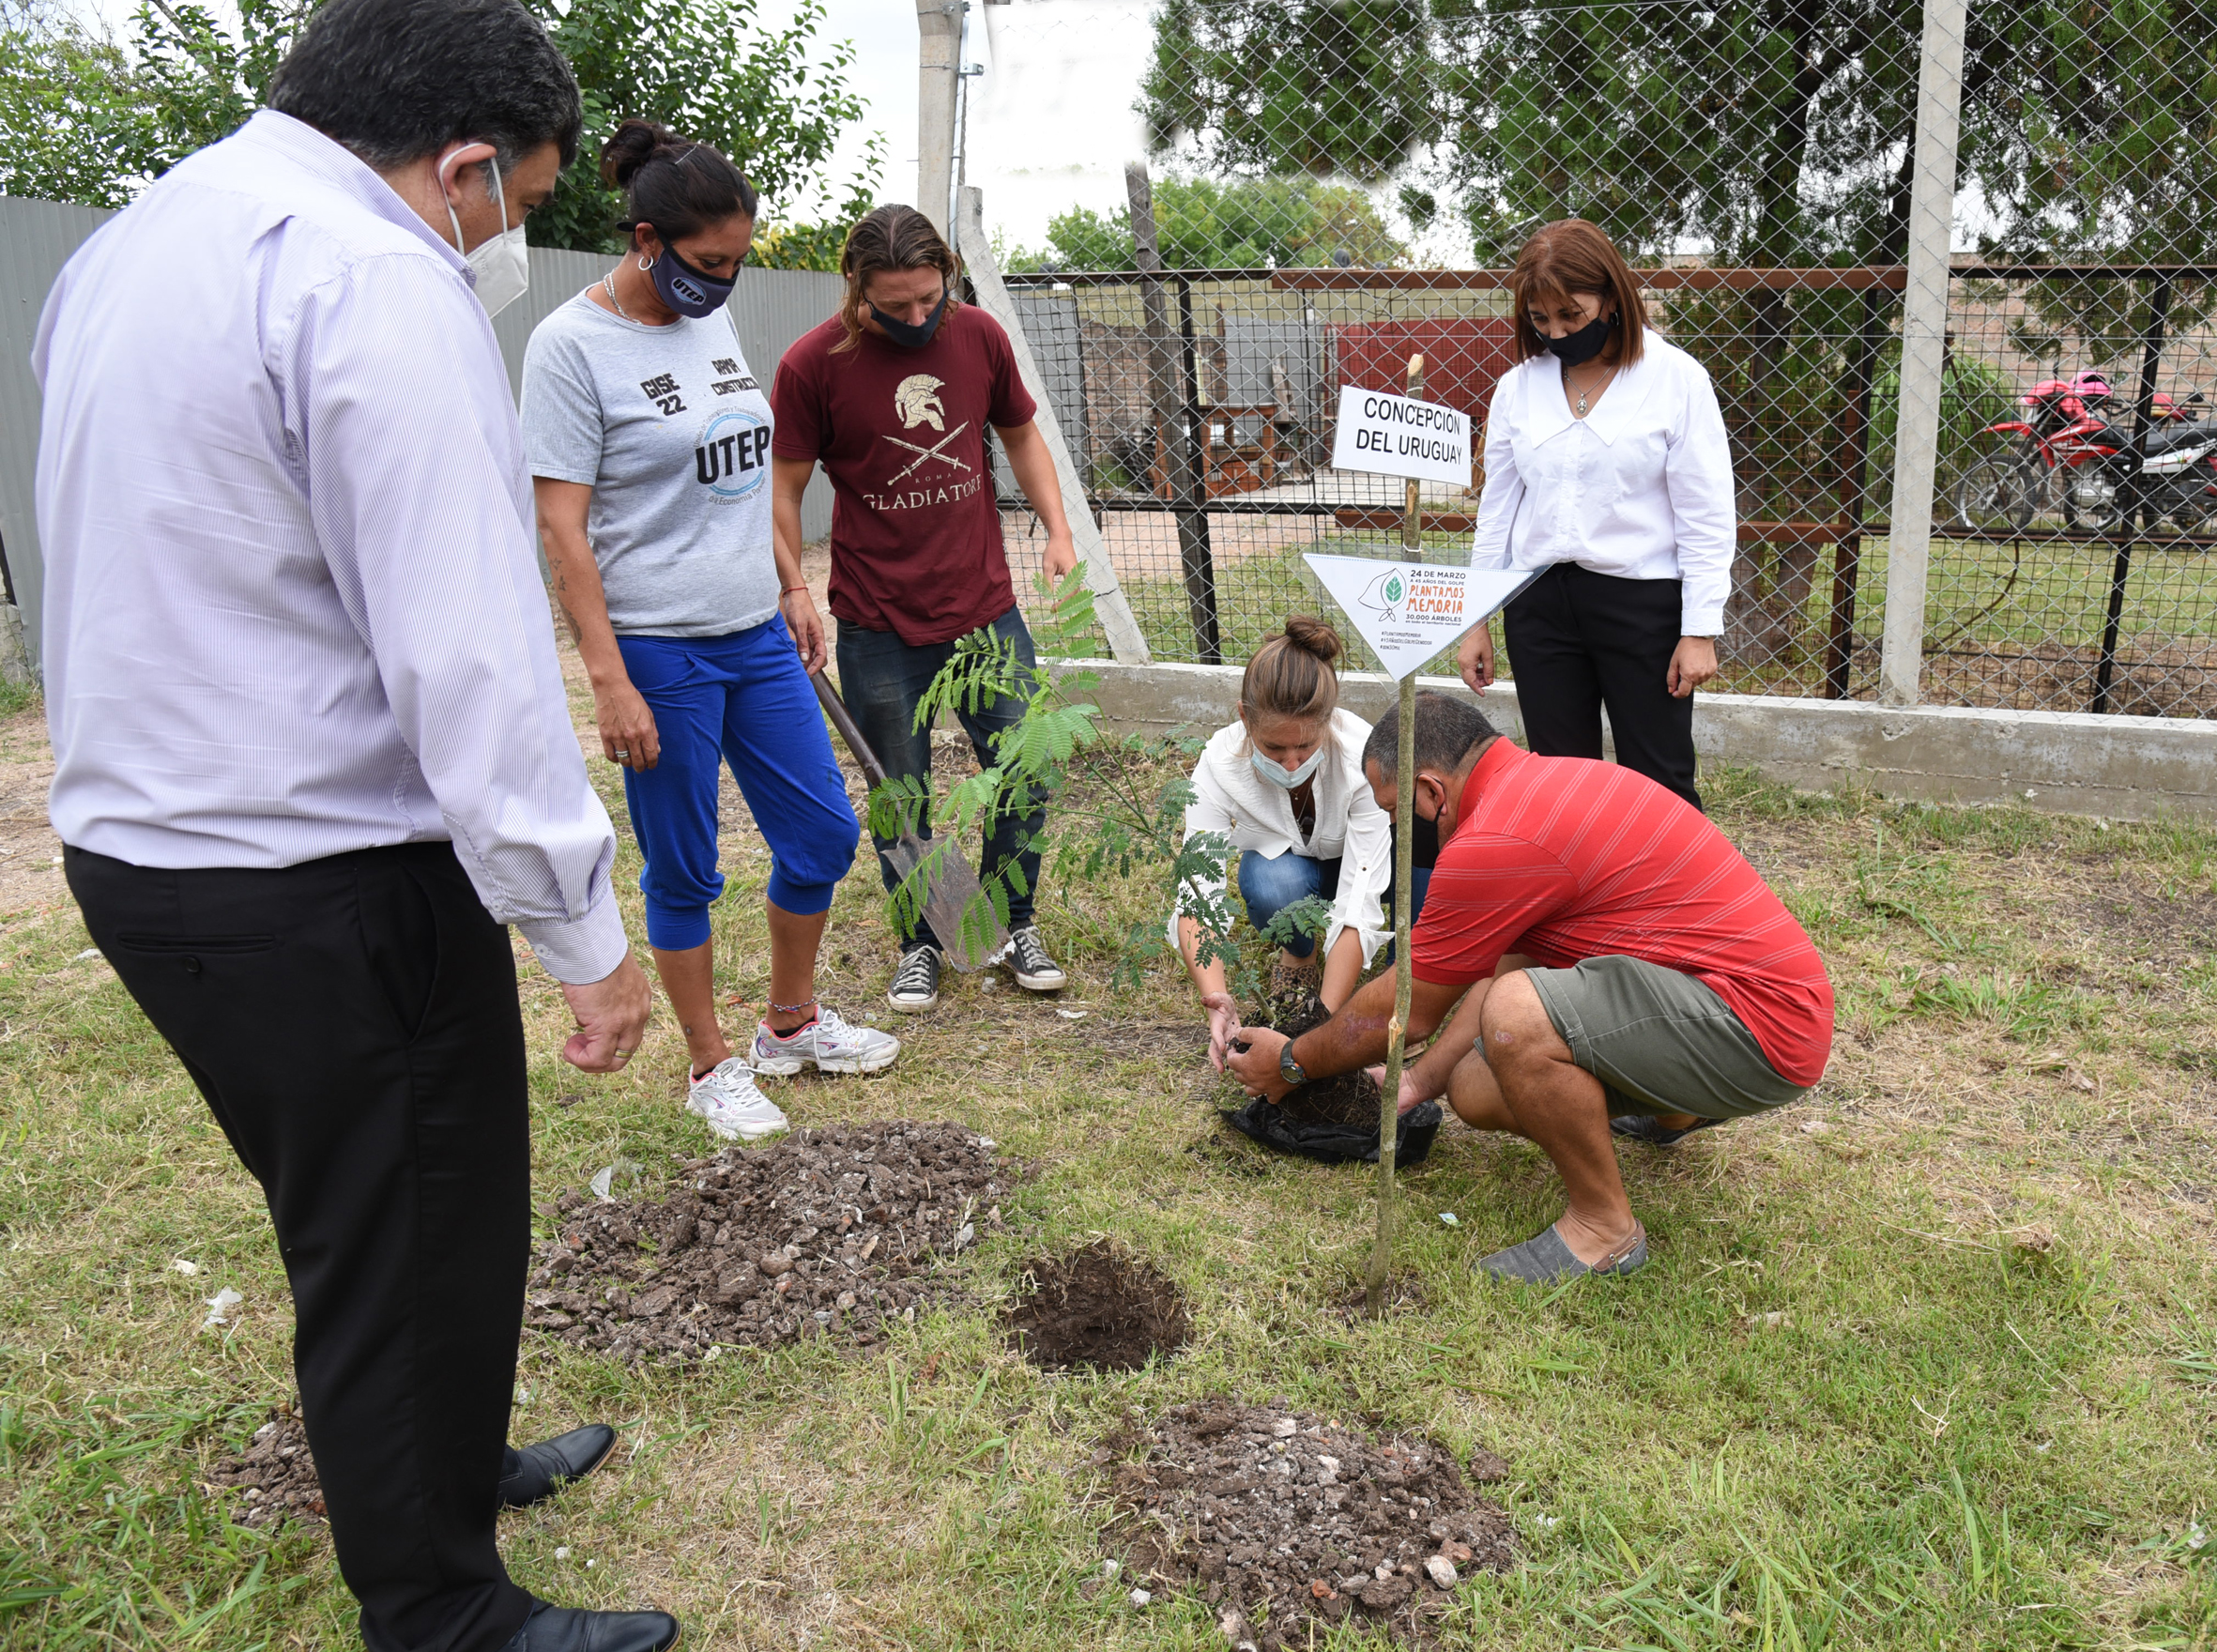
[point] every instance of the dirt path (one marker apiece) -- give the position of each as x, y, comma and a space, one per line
30, 853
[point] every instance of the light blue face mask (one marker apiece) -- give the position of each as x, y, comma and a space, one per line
1287, 780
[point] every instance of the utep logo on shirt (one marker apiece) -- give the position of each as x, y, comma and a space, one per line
733, 456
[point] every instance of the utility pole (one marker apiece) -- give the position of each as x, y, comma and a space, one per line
938, 32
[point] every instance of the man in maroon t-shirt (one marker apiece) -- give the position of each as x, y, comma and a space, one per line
1592, 946
893, 396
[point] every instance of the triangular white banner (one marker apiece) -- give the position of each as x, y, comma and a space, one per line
1409, 611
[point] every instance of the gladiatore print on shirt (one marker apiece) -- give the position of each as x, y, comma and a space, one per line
916, 545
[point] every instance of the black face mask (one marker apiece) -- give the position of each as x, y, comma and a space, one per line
1576, 349
915, 337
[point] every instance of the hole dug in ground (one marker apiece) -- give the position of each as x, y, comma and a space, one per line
1286, 1523
1097, 1309
831, 1232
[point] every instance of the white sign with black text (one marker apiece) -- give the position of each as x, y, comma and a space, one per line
1398, 435
1410, 611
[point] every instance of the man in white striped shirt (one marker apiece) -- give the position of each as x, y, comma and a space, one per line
312, 750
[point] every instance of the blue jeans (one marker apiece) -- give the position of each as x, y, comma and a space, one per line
882, 678
746, 699
1270, 886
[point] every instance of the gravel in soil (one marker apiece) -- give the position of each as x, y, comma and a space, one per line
1096, 1309
833, 1232
274, 1477
1286, 1523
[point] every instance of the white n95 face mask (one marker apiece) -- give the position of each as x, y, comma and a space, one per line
501, 264
1281, 777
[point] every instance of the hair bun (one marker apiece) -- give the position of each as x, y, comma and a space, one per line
635, 142
1314, 637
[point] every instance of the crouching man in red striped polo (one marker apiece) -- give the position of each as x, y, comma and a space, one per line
1659, 987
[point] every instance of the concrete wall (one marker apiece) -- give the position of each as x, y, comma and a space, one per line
2123, 767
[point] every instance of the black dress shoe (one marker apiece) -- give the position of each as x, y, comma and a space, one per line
569, 1628
538, 1471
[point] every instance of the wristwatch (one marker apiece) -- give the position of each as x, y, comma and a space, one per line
1288, 1068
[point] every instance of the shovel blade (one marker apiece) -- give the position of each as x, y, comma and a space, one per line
947, 900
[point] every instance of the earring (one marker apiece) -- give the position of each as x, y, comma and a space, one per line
646, 264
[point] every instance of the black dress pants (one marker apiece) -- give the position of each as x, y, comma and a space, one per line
1580, 640
353, 1023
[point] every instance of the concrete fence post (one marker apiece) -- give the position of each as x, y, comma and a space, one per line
1924, 344
1110, 604
938, 46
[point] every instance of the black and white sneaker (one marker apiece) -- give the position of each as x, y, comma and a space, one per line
1027, 955
916, 983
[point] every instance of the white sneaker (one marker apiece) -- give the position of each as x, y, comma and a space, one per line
725, 1096
828, 1041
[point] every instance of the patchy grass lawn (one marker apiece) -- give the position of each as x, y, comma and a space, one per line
1929, 1360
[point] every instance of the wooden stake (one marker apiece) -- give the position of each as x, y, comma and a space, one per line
1389, 1120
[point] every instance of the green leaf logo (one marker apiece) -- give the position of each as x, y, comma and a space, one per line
1393, 587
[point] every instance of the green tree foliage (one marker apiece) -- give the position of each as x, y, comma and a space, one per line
1772, 132
1203, 224
717, 74
61, 137
84, 119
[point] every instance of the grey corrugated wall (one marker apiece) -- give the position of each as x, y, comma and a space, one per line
774, 307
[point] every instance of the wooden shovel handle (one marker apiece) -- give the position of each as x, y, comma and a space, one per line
843, 720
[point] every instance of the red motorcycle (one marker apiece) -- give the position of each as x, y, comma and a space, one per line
2070, 456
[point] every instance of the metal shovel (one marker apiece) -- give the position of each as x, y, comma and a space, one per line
953, 886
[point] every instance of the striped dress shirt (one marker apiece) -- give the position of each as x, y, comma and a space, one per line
293, 607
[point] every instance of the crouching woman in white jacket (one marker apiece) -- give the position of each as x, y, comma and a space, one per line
1285, 785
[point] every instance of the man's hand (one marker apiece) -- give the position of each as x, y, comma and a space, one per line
628, 736
1223, 1025
1256, 1067
1412, 1086
1061, 556
806, 625
1474, 658
612, 1015
1693, 661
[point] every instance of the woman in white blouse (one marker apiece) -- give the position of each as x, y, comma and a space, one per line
1607, 471
1285, 785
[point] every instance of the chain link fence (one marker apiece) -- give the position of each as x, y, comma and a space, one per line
1755, 161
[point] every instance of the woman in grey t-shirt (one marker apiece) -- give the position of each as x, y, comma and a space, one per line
648, 443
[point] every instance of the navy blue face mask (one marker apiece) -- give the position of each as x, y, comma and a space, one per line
919, 334
684, 289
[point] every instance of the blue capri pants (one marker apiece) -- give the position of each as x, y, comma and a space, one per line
742, 699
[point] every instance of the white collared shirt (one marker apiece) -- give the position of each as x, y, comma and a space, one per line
1641, 488
1231, 798
293, 607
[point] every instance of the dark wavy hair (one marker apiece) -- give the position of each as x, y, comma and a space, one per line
679, 187
397, 80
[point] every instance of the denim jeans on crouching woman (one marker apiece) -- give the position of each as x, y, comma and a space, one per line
882, 679
1270, 886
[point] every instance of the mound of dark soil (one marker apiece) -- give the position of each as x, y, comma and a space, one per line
1096, 1309
1276, 1518
1351, 1099
274, 1477
830, 1232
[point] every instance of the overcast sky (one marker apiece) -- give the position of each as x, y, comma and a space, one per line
1051, 121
